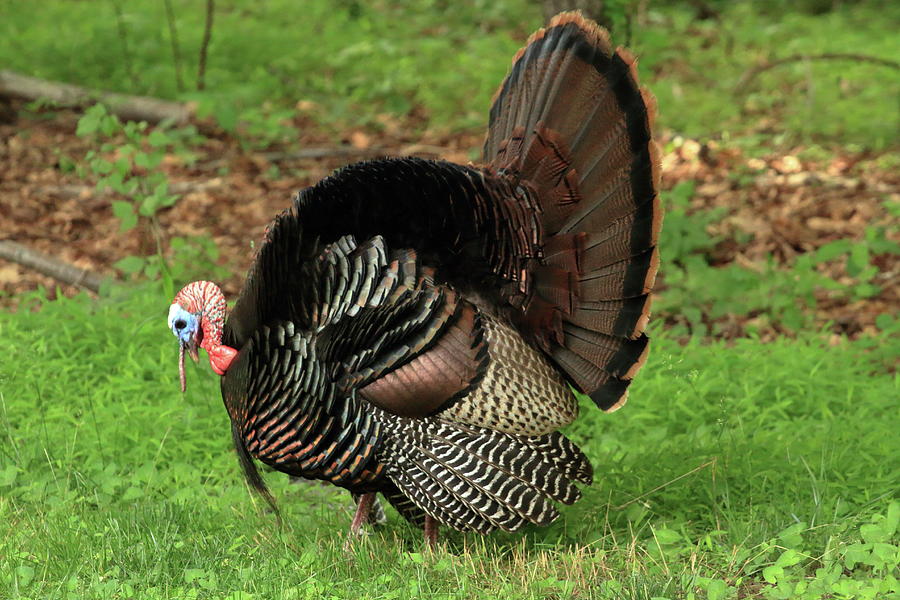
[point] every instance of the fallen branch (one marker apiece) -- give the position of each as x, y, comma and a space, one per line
325, 152
751, 73
88, 191
129, 108
336, 152
47, 265
303, 154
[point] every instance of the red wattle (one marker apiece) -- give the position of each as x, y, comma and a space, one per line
220, 358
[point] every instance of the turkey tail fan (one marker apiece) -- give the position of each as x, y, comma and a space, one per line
572, 126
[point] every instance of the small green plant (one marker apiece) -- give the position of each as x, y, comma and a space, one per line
261, 127
130, 168
684, 234
858, 258
865, 569
128, 162
707, 298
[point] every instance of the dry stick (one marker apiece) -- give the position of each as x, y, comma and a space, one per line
204, 45
129, 108
324, 152
305, 153
176, 49
47, 265
666, 484
87, 191
336, 152
750, 74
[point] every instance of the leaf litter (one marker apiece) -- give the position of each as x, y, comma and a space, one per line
775, 207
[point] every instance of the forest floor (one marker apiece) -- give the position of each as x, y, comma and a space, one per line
768, 209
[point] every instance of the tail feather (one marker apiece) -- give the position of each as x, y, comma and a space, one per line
619, 280
502, 453
435, 499
615, 356
619, 318
565, 455
572, 125
408, 509
473, 478
474, 497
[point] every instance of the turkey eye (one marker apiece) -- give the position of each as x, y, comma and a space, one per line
180, 324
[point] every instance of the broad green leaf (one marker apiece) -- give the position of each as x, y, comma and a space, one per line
8, 475
717, 590
832, 250
130, 264
856, 553
147, 160
24, 575
159, 138
667, 536
773, 573
148, 206
101, 166
132, 493
859, 259
892, 520
792, 537
788, 558
124, 211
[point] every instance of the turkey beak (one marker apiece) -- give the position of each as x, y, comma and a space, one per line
192, 349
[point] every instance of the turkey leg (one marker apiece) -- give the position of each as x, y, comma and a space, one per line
431, 531
363, 508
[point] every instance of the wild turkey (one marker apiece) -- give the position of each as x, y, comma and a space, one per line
412, 327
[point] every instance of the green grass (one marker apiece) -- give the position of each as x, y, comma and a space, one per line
750, 468
441, 61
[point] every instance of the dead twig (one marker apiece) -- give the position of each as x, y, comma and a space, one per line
129, 108
50, 266
753, 72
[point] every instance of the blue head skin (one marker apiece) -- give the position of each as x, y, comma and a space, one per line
186, 327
